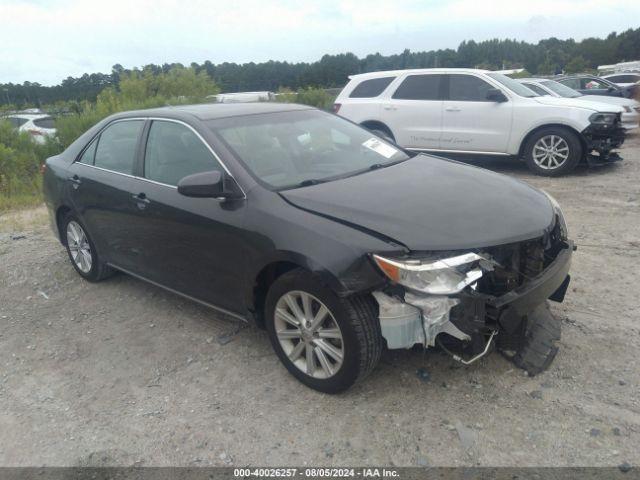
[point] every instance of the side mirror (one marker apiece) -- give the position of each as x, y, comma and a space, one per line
610, 89
213, 184
496, 95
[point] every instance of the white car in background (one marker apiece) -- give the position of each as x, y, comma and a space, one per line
468, 111
623, 79
38, 125
545, 86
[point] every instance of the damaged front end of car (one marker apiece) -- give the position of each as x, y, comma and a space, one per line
605, 134
469, 302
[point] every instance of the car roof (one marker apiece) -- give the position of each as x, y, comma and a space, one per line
211, 111
388, 73
533, 79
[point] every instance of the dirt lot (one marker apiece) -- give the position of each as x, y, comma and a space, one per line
124, 373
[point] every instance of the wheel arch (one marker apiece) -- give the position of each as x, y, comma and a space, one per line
377, 124
273, 269
61, 212
535, 130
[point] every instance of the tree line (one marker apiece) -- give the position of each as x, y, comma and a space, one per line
548, 56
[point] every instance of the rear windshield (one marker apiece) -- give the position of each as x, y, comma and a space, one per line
298, 148
47, 122
371, 88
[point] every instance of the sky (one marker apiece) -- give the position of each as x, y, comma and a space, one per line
46, 41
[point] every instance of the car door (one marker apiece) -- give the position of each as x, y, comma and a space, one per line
99, 184
414, 111
192, 245
471, 122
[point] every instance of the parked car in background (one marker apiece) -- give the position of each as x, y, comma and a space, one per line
590, 85
467, 111
623, 79
38, 125
333, 239
544, 86
243, 97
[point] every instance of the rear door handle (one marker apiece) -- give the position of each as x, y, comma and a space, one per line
452, 109
75, 180
390, 107
141, 200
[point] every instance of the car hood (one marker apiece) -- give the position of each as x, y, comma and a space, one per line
580, 102
428, 203
621, 101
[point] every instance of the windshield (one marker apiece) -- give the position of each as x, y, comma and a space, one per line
561, 89
514, 86
304, 147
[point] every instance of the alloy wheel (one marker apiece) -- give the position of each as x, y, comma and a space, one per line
550, 152
79, 246
309, 334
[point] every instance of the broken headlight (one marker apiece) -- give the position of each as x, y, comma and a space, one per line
444, 276
603, 118
564, 232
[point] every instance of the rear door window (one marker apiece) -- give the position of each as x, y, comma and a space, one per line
89, 154
467, 88
420, 87
117, 145
571, 83
175, 151
371, 88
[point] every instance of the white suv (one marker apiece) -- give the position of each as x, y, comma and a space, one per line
466, 111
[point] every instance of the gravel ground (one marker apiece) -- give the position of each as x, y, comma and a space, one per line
123, 373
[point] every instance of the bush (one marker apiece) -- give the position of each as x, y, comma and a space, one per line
20, 157
315, 97
20, 160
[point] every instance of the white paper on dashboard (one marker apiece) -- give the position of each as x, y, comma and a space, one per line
387, 151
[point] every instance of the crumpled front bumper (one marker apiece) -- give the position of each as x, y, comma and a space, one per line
600, 141
420, 318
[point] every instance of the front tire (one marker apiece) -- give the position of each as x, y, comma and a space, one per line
553, 151
82, 251
326, 342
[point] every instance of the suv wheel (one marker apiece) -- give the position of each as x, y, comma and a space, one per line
326, 342
82, 251
553, 151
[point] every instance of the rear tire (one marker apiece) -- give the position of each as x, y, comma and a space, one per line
356, 319
82, 251
553, 151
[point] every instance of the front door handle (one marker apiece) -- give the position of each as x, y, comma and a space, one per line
75, 180
141, 200
452, 109
390, 107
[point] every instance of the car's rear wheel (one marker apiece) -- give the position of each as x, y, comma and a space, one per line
82, 251
553, 151
326, 342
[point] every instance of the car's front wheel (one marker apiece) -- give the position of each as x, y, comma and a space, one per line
82, 251
326, 342
553, 151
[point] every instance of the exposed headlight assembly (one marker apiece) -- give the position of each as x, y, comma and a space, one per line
564, 232
603, 118
444, 276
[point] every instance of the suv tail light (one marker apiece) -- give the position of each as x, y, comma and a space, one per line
43, 168
336, 107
